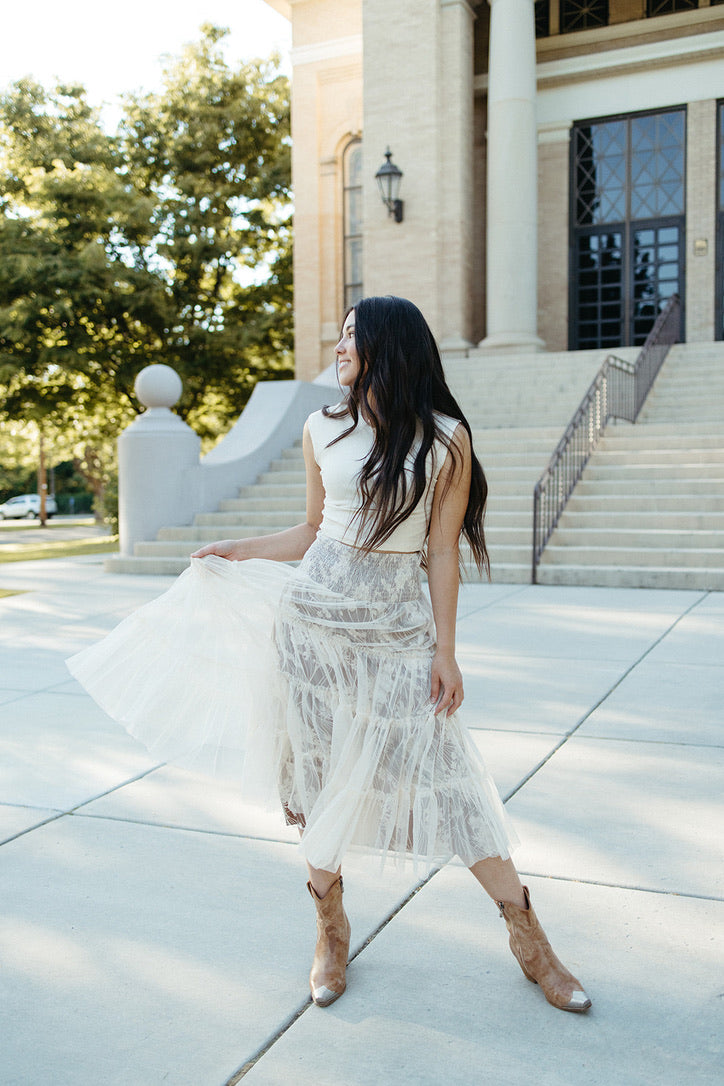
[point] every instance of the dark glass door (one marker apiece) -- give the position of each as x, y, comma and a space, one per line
628, 243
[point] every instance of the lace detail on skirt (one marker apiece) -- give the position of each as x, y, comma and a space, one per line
310, 686
366, 761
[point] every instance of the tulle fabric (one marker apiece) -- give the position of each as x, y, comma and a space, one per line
311, 687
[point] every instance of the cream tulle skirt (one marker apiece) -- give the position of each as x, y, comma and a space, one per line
310, 686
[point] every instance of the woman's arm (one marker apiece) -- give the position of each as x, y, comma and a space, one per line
449, 503
289, 545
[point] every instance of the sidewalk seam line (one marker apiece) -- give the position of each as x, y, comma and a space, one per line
623, 886
604, 697
78, 806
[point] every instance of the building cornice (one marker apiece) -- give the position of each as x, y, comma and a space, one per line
623, 61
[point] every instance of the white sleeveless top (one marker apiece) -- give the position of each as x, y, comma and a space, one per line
340, 466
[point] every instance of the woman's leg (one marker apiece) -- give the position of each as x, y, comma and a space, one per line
527, 939
328, 976
500, 880
322, 880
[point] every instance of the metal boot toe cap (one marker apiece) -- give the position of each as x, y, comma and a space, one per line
323, 996
579, 1001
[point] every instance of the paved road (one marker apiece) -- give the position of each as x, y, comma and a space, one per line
57, 529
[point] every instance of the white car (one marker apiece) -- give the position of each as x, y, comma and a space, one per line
27, 505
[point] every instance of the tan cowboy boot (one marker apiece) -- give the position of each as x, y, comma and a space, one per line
327, 979
536, 958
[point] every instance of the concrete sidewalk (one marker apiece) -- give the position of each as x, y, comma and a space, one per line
157, 931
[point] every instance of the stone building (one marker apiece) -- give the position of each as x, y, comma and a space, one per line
562, 177
561, 161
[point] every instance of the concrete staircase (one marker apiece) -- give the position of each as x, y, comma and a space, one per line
517, 405
649, 509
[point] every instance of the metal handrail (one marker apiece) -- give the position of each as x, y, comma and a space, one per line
617, 391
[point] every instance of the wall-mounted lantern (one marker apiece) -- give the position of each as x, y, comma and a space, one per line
388, 179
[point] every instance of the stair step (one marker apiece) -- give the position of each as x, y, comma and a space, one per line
600, 468
618, 576
273, 518
167, 566
295, 477
655, 538
281, 490
613, 503
616, 521
631, 556
590, 484
660, 459
648, 437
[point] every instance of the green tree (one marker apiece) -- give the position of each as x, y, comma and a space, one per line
211, 154
168, 241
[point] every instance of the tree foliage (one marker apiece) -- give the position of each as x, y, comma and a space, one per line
166, 241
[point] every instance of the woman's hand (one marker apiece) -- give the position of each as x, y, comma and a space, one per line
232, 549
448, 681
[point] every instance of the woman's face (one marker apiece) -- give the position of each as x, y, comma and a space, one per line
346, 351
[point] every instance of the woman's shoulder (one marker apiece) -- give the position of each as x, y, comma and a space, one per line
447, 424
323, 428
319, 419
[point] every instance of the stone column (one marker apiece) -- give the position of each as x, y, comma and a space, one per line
512, 180
455, 166
700, 221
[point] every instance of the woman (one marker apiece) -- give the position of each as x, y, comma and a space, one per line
362, 736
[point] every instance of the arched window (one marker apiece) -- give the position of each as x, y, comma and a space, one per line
352, 172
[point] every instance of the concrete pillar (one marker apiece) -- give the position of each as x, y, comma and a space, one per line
699, 302
553, 231
155, 456
512, 213
455, 168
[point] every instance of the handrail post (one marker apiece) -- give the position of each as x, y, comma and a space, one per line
534, 570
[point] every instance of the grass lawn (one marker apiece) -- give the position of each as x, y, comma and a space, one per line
29, 552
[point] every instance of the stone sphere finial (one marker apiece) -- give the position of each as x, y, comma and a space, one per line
158, 386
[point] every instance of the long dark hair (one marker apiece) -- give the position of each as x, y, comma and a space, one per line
399, 386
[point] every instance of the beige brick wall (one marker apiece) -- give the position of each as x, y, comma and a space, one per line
326, 114
553, 224
400, 110
418, 99
700, 220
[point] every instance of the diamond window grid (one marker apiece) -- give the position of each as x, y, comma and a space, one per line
583, 15
630, 169
669, 7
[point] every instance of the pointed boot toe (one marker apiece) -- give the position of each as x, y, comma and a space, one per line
322, 996
536, 958
579, 1002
